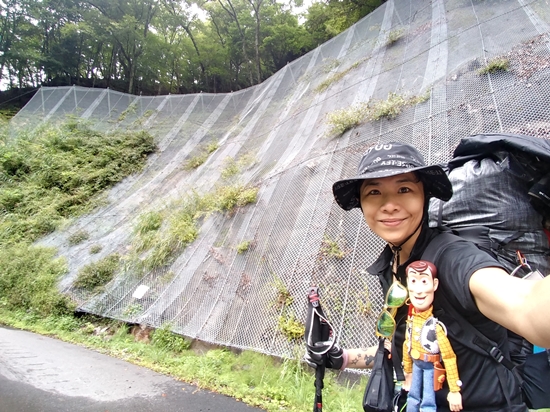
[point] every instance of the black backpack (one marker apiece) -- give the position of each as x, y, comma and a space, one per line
501, 198
501, 202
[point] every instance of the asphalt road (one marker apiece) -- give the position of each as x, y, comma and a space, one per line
41, 374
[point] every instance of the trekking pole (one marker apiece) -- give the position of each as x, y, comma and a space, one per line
319, 376
318, 329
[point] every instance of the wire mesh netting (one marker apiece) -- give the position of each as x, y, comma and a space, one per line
438, 51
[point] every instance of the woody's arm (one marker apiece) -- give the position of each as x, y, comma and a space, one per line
407, 360
449, 359
517, 304
407, 364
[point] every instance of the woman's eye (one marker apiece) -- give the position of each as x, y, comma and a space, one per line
404, 190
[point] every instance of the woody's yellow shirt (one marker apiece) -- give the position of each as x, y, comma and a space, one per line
447, 354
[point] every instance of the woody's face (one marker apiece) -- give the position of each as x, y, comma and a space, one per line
422, 287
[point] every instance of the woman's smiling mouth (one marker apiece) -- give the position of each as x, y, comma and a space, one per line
391, 222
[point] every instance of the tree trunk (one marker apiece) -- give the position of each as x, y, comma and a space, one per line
233, 14
131, 70
256, 6
203, 70
111, 65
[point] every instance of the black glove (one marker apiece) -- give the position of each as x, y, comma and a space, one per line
334, 357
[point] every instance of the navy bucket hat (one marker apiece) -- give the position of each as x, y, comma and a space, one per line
390, 159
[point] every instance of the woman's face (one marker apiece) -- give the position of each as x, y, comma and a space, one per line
393, 206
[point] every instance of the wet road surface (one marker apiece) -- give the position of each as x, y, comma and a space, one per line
41, 374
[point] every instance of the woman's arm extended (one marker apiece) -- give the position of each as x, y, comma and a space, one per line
523, 306
361, 358
364, 358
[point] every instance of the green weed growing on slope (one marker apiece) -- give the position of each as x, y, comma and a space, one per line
342, 120
78, 237
331, 248
204, 152
182, 229
394, 36
146, 229
232, 167
56, 172
157, 247
495, 65
28, 280
47, 175
97, 274
243, 246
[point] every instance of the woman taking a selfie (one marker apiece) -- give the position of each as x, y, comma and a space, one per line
392, 188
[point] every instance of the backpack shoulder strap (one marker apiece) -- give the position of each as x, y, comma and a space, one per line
467, 334
438, 243
471, 336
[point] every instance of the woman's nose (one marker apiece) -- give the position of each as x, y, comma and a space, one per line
389, 204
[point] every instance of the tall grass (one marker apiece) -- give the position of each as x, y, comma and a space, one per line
55, 172
28, 280
48, 175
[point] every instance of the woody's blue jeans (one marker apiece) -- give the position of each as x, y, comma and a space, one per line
422, 395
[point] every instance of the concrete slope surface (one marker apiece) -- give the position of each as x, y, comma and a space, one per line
41, 374
419, 68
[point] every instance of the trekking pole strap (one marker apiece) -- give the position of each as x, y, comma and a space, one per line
318, 329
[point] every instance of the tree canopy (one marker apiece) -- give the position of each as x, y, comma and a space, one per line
162, 46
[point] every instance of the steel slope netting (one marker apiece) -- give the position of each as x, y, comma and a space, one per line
422, 72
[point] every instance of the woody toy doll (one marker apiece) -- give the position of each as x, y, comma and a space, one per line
426, 344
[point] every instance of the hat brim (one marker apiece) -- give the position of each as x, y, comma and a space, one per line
435, 180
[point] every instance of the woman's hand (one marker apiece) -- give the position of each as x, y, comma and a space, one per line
327, 353
387, 346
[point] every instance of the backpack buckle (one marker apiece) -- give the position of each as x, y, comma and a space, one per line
496, 354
